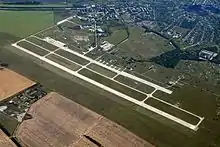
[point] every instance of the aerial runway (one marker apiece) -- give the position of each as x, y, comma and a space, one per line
106, 88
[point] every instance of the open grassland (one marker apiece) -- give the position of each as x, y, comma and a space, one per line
145, 45
173, 111
112, 84
42, 43
145, 124
22, 24
77, 21
192, 99
101, 70
33, 48
145, 88
72, 57
63, 62
75, 37
135, 84
117, 36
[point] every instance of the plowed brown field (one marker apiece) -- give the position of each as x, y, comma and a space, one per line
5, 141
12, 83
60, 122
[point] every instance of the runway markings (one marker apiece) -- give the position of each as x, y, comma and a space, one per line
107, 66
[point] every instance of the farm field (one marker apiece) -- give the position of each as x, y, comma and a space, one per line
5, 141
80, 123
12, 83
145, 119
111, 134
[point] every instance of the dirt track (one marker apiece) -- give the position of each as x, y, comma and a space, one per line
60, 122
12, 83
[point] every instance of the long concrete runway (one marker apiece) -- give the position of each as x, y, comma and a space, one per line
106, 88
175, 119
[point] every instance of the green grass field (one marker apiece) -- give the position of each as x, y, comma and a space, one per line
117, 36
135, 84
112, 84
145, 45
33, 48
72, 57
63, 62
101, 70
173, 111
22, 24
44, 44
200, 100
